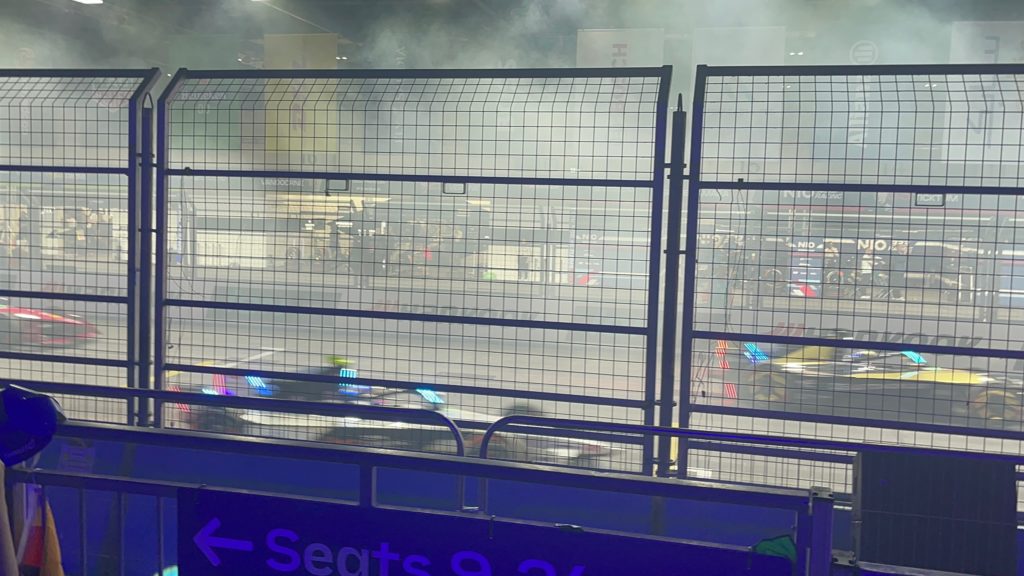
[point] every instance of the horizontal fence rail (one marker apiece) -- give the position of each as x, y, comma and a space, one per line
542, 426
343, 414
531, 473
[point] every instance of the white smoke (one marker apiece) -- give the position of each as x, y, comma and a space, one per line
492, 33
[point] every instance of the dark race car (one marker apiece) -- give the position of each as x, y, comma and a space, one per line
881, 385
378, 433
31, 327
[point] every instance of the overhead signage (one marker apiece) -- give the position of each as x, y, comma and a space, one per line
224, 533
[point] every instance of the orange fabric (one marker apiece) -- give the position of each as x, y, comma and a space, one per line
42, 552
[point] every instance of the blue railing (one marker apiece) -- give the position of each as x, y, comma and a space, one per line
812, 510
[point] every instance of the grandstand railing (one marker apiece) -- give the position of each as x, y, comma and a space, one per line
812, 511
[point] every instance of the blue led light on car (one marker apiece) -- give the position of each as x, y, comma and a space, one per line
258, 384
914, 357
430, 396
347, 388
754, 354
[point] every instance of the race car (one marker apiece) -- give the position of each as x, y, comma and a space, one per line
378, 433
881, 385
31, 327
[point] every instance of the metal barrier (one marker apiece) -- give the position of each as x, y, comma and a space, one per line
864, 523
851, 262
250, 412
491, 234
813, 512
72, 197
793, 446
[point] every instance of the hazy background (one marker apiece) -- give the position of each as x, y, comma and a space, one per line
503, 33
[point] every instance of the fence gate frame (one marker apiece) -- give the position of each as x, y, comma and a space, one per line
697, 182
655, 183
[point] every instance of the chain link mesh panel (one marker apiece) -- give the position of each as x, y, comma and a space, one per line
475, 245
68, 170
65, 121
853, 243
898, 127
556, 127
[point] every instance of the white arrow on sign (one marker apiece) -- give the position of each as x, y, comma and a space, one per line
206, 542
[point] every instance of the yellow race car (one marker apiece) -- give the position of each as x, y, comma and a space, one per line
877, 385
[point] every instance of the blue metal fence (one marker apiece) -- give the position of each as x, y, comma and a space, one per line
70, 192
850, 250
809, 513
489, 235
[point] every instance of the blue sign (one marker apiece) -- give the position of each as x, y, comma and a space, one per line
223, 533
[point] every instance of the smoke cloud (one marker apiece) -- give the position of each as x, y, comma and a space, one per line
492, 33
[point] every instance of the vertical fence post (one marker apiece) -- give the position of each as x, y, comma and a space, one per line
144, 315
132, 267
139, 124
671, 297
690, 265
654, 278
160, 274
822, 502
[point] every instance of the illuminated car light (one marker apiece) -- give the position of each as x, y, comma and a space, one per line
720, 349
730, 391
258, 384
754, 353
220, 385
349, 389
914, 357
430, 396
183, 407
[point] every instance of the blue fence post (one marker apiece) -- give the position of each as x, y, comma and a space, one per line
160, 276
690, 265
654, 278
145, 314
820, 545
136, 314
132, 312
674, 234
